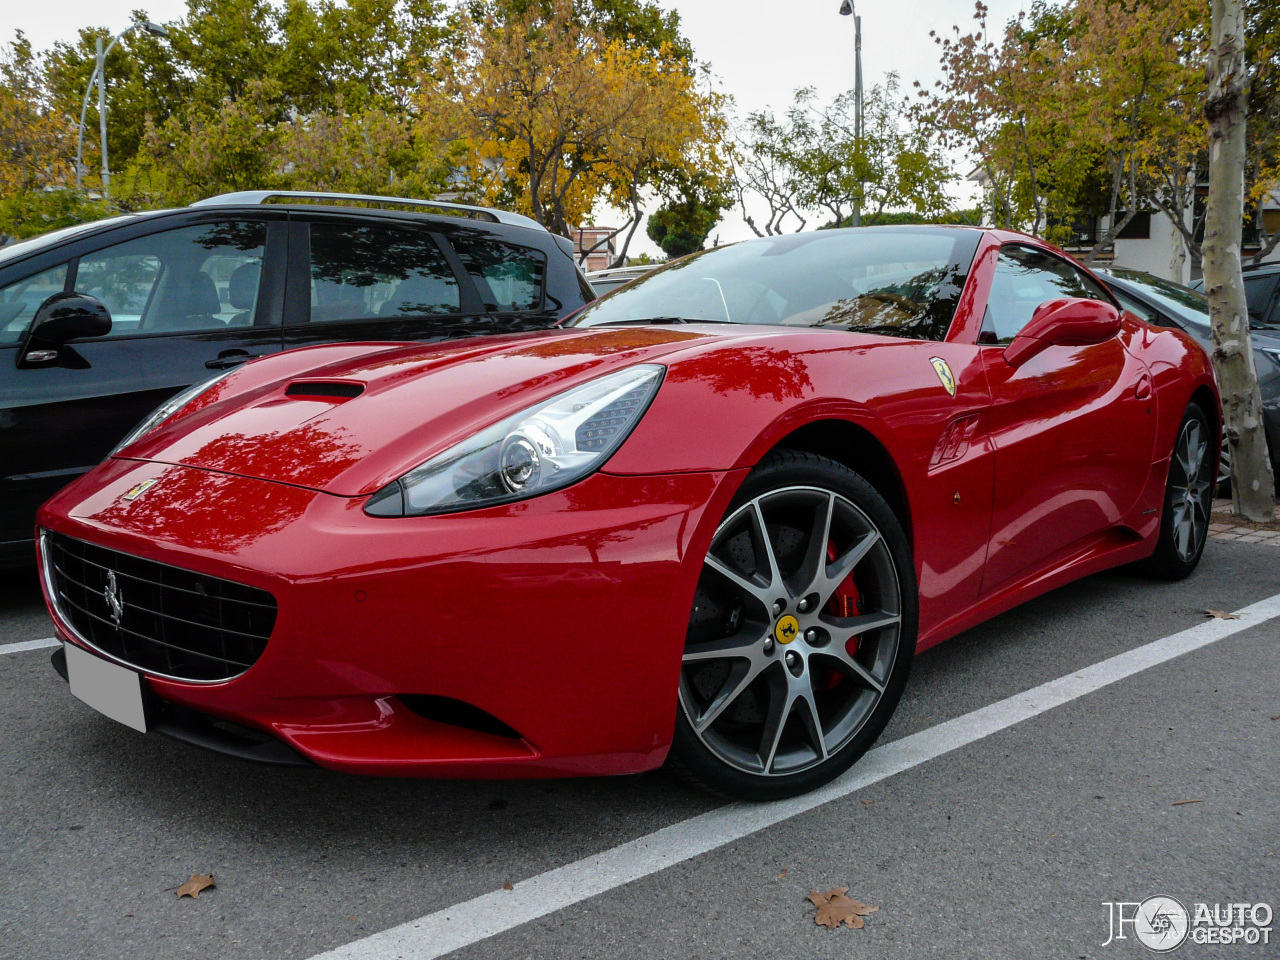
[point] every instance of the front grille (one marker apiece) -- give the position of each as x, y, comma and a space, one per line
158, 618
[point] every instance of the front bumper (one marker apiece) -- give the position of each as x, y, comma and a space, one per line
560, 618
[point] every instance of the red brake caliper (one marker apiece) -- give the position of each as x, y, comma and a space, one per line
844, 602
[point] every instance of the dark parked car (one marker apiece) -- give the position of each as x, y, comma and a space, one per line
1261, 292
101, 322
1170, 305
606, 281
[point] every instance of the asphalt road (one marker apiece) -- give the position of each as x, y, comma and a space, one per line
1005, 848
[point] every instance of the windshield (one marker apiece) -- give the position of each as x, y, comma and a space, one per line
889, 280
24, 247
1182, 304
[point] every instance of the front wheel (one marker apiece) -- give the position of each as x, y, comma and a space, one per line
801, 635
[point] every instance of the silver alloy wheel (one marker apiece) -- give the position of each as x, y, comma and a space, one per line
777, 675
1191, 499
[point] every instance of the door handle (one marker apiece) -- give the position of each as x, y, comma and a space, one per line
231, 358
1143, 390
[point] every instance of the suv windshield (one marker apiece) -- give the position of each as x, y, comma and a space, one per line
903, 282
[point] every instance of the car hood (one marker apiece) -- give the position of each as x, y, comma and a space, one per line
349, 426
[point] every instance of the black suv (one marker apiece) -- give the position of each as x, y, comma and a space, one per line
100, 323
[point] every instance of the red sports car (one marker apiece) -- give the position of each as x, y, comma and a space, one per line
707, 523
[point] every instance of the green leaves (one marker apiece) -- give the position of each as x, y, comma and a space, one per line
811, 160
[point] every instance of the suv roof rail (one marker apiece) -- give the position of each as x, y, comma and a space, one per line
262, 196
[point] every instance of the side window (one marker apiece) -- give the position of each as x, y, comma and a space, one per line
1139, 310
370, 273
1024, 279
509, 278
191, 279
20, 300
1257, 292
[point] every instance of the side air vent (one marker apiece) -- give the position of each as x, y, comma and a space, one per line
324, 388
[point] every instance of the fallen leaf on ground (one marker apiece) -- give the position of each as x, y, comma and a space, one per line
1222, 615
1178, 803
834, 908
507, 886
783, 873
1276, 717
193, 886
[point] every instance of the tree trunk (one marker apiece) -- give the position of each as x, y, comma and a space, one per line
1252, 481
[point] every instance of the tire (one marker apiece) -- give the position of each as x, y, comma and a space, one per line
1188, 501
799, 645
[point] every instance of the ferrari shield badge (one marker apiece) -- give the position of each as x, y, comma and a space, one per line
787, 629
139, 490
943, 370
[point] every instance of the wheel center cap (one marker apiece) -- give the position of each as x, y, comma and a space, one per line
786, 629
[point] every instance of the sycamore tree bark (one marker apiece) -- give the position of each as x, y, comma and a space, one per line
1225, 109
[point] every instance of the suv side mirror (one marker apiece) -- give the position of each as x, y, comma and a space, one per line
63, 317
1064, 322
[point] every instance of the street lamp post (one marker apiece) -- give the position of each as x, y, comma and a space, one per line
846, 10
99, 75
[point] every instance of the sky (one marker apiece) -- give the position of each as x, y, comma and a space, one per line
760, 50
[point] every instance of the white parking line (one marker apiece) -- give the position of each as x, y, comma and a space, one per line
29, 645
452, 928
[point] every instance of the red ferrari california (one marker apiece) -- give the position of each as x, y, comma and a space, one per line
707, 523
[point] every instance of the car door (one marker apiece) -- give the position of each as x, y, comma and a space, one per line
1073, 428
356, 279
186, 302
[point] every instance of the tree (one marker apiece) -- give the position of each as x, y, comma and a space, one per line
1000, 103
1138, 65
37, 152
1087, 107
893, 165
1226, 110
553, 116
811, 161
692, 209
761, 168
1262, 172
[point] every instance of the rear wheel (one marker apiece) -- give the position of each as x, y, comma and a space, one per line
1188, 500
801, 634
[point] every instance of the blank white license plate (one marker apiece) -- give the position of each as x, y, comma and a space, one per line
112, 690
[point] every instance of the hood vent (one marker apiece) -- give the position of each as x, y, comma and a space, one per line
324, 388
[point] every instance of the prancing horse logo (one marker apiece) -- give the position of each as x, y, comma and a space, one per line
943, 370
115, 600
786, 629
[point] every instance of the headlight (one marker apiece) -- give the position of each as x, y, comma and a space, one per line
167, 409
539, 450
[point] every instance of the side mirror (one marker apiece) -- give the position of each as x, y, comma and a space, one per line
64, 317
1064, 322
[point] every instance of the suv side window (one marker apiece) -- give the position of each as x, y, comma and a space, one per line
196, 278
1257, 293
369, 272
20, 300
1024, 279
508, 278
